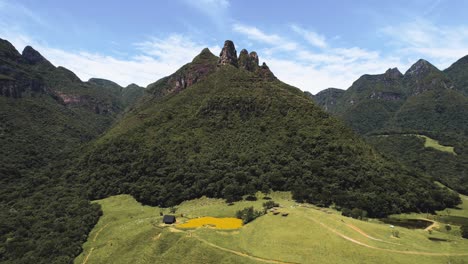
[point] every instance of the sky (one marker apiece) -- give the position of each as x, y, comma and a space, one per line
312, 45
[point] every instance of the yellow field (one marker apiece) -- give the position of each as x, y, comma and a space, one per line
218, 223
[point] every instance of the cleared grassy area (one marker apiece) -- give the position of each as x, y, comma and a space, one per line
131, 233
432, 143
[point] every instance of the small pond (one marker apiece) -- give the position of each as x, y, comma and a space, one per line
407, 223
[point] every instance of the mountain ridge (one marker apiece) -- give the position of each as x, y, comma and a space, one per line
423, 101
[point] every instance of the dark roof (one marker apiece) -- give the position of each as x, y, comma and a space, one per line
169, 219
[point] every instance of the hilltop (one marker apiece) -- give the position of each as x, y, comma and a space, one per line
227, 127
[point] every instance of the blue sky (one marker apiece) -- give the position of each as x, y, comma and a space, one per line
310, 44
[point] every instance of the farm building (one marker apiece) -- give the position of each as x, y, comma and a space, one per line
169, 219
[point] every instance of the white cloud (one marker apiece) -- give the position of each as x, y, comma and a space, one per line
312, 70
420, 38
312, 37
255, 34
175, 49
313, 78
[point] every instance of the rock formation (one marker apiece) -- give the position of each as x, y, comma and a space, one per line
228, 54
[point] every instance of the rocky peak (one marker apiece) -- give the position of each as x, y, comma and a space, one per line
248, 61
264, 71
393, 73
421, 67
32, 56
423, 76
228, 54
254, 57
204, 56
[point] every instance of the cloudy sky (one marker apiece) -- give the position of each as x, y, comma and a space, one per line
309, 44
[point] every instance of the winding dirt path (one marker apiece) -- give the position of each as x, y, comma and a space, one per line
94, 240
242, 254
357, 229
433, 225
385, 249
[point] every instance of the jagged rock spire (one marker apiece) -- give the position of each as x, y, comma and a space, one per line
254, 57
248, 61
228, 54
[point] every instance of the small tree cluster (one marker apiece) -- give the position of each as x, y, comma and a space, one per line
464, 231
248, 214
270, 204
355, 213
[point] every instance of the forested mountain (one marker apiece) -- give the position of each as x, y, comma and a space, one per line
219, 126
227, 127
424, 101
46, 114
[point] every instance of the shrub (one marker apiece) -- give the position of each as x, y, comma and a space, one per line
464, 231
270, 204
248, 214
251, 198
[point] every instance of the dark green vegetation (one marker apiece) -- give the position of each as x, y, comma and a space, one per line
464, 231
46, 113
445, 167
408, 223
236, 131
355, 213
390, 109
248, 214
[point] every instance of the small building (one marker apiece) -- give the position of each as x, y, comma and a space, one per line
169, 219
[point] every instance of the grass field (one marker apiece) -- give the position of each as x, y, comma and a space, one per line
432, 143
131, 233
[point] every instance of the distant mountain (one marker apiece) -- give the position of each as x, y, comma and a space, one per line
458, 72
49, 108
46, 114
423, 101
227, 127
328, 98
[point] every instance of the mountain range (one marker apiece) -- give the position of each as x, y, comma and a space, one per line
392, 108
220, 126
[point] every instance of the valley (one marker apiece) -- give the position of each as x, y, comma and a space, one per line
229, 152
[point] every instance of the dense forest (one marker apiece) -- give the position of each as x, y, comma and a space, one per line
46, 114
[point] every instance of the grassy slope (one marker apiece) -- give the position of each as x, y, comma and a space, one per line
129, 232
432, 143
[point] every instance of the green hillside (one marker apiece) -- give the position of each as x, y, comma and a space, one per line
457, 73
238, 131
46, 114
